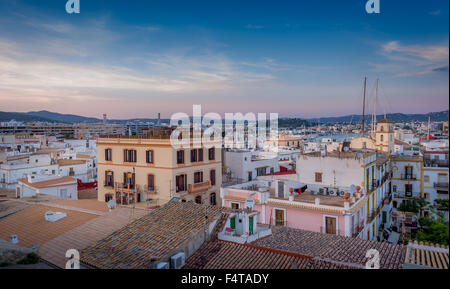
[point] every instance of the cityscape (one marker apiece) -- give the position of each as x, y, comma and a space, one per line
291, 158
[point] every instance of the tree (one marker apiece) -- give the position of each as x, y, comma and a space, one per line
434, 230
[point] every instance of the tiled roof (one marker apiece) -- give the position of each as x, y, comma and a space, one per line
68, 162
351, 251
227, 255
151, 237
427, 256
50, 183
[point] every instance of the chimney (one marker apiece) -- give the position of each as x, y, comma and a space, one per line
291, 194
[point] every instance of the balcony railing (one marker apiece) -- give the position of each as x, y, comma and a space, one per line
151, 189
125, 186
408, 177
199, 187
324, 231
436, 163
108, 184
404, 195
441, 185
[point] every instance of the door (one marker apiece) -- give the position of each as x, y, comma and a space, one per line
279, 217
330, 223
233, 223
250, 176
250, 229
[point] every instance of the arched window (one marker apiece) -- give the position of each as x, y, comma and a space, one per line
198, 199
212, 199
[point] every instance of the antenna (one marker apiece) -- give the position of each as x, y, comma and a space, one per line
375, 109
364, 106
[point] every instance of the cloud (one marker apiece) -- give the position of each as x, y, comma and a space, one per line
436, 12
252, 26
412, 60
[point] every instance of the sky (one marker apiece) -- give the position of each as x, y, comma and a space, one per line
133, 59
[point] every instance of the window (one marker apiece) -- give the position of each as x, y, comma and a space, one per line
318, 177
426, 179
198, 199
108, 155
181, 183
200, 155
193, 155
408, 188
381, 137
235, 206
212, 199
211, 154
212, 177
180, 157
198, 177
109, 179
129, 156
394, 188
260, 171
149, 156
151, 183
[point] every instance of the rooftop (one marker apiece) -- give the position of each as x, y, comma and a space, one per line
68, 162
227, 255
426, 256
49, 183
349, 251
341, 155
151, 237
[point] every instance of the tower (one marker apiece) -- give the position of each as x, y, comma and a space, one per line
384, 137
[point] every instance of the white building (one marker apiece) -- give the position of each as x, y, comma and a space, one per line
246, 165
30, 186
435, 179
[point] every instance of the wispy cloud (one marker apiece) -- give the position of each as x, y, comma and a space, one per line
435, 12
412, 60
253, 26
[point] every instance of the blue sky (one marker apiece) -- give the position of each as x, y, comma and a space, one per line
297, 58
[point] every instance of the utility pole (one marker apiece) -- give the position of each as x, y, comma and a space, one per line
375, 109
364, 105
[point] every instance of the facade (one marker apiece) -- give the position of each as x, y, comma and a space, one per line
147, 169
435, 179
246, 165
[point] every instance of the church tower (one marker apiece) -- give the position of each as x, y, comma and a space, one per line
384, 136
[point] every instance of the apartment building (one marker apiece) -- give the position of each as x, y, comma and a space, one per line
435, 180
149, 170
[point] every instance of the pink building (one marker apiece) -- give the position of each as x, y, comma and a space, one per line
285, 202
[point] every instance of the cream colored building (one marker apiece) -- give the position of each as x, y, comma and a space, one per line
383, 141
148, 170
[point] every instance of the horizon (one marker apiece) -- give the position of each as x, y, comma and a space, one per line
190, 115
304, 59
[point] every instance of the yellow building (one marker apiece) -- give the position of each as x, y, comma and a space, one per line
147, 170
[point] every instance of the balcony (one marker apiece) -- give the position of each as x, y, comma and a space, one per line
199, 187
441, 185
404, 195
436, 163
408, 177
151, 190
125, 187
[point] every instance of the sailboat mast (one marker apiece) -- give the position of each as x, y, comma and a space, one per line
375, 109
364, 105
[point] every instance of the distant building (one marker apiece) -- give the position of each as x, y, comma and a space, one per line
65, 187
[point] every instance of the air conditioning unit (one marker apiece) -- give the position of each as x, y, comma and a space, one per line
162, 265
177, 260
321, 191
332, 193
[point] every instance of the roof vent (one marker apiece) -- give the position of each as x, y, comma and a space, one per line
14, 239
53, 217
